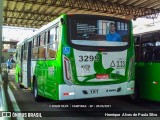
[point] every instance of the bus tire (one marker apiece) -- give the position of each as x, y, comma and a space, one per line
35, 92
135, 97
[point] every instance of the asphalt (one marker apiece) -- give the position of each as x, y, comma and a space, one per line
26, 102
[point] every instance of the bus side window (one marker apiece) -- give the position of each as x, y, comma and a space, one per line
52, 43
41, 48
35, 42
35, 48
25, 51
57, 37
18, 54
32, 43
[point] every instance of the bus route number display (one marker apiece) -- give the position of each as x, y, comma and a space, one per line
87, 58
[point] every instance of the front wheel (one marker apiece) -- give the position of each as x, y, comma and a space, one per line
35, 92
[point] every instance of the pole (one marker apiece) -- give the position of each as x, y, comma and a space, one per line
1, 24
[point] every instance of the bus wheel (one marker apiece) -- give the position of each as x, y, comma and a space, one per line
135, 97
35, 92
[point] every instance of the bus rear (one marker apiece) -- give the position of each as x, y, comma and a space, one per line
97, 57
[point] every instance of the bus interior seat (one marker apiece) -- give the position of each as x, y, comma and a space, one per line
35, 52
51, 53
41, 52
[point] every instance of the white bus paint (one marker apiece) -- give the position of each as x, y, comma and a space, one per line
125, 88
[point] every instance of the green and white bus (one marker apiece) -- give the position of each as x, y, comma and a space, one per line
147, 75
78, 56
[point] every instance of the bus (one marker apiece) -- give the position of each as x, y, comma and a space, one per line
147, 66
78, 56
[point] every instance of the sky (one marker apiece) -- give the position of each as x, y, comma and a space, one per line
16, 33
140, 25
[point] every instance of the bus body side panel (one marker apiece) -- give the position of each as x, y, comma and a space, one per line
48, 74
148, 78
40, 75
50, 81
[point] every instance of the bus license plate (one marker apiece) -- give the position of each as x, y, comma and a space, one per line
102, 76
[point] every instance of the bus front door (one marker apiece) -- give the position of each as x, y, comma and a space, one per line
29, 64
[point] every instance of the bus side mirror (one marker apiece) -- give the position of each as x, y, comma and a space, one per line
62, 21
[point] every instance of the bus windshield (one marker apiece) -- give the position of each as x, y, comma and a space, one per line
99, 32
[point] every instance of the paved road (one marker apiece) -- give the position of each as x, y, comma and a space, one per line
25, 102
